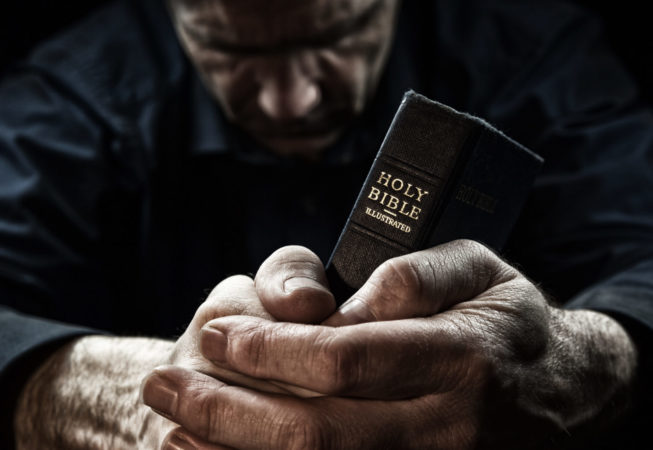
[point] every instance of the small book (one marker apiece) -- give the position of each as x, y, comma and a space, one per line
439, 175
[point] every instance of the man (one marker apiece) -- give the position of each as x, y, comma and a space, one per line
126, 191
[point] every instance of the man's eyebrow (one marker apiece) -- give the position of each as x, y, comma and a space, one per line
214, 41
349, 26
329, 36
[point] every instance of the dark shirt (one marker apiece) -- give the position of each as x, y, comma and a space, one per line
125, 195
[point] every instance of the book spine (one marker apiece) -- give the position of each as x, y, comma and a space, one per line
403, 194
439, 175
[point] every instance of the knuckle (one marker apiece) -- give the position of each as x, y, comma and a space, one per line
310, 430
300, 262
208, 309
210, 415
400, 277
470, 245
293, 256
486, 266
226, 285
401, 287
269, 269
206, 312
339, 361
474, 250
534, 316
248, 349
222, 300
290, 251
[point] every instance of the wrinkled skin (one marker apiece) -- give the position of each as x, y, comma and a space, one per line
293, 73
445, 348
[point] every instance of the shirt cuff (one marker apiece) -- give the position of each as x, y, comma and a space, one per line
631, 301
26, 343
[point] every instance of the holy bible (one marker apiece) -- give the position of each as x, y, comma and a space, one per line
439, 175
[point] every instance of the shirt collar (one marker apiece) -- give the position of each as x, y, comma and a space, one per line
210, 131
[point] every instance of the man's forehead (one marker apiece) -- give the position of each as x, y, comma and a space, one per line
261, 22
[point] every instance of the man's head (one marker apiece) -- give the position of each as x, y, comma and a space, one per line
291, 73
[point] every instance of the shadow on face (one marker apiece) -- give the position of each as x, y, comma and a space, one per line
291, 73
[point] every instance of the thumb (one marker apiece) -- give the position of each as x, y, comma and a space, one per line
292, 286
423, 283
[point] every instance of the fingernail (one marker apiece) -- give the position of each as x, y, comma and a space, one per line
160, 395
294, 283
178, 442
213, 344
354, 313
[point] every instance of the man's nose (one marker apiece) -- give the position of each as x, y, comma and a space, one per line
287, 91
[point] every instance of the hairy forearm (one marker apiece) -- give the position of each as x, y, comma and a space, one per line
594, 367
86, 396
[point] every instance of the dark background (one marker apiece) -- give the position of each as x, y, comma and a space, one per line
23, 23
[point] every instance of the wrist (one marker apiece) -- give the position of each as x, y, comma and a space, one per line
596, 362
86, 395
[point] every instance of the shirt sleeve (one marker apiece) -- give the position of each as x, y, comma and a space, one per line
52, 158
586, 234
26, 342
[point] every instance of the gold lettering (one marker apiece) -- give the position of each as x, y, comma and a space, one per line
374, 193
420, 193
388, 220
476, 198
403, 208
397, 184
407, 193
384, 178
396, 203
393, 202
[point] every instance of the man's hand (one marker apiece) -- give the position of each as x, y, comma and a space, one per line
86, 395
238, 296
445, 348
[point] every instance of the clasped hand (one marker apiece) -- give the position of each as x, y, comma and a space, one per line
449, 347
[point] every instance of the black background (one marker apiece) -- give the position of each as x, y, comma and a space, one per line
23, 23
